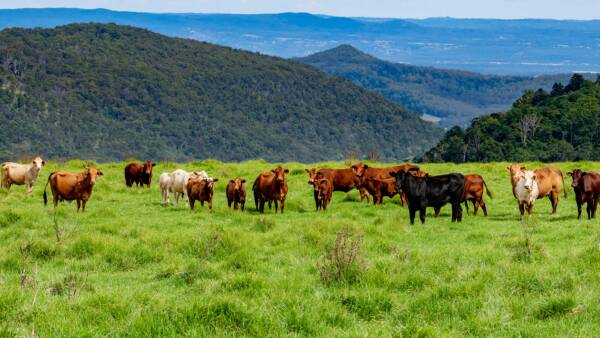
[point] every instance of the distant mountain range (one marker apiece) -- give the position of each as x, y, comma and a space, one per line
449, 97
108, 92
515, 47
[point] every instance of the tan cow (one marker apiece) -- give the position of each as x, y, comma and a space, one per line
69, 186
19, 174
550, 182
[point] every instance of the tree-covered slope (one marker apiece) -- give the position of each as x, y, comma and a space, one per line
109, 92
453, 96
563, 125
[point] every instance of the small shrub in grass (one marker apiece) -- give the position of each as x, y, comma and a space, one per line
343, 263
555, 307
69, 285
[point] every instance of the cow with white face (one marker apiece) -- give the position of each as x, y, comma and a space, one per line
526, 190
21, 174
179, 180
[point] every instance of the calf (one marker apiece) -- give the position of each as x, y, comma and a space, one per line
526, 190
69, 186
587, 191
323, 191
21, 174
431, 191
166, 183
363, 172
201, 190
381, 187
270, 186
236, 193
139, 174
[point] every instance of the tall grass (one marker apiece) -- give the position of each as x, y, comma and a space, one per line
131, 267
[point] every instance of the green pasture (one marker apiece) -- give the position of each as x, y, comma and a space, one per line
131, 267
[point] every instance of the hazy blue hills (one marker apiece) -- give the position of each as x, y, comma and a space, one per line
454, 96
110, 92
515, 47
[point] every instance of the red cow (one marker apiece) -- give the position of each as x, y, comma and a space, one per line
270, 186
139, 174
236, 193
587, 190
69, 186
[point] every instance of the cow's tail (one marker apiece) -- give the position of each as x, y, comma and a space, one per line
467, 206
46, 186
255, 194
487, 190
564, 188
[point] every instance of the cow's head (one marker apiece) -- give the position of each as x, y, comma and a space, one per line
148, 167
359, 169
238, 183
280, 173
516, 169
529, 177
419, 173
312, 175
38, 162
575, 175
400, 176
210, 183
92, 174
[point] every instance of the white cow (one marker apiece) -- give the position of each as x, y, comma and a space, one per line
526, 190
179, 180
165, 188
19, 174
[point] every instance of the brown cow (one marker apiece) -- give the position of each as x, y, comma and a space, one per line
549, 181
270, 186
381, 187
69, 186
139, 174
474, 189
342, 180
236, 193
363, 171
201, 190
324, 191
587, 190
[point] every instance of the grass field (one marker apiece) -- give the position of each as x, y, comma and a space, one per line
131, 267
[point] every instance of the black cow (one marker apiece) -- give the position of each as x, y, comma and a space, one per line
431, 191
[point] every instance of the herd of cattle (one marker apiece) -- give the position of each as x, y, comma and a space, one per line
416, 188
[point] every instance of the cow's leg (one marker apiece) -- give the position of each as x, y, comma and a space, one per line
282, 205
458, 212
316, 196
453, 213
554, 200
242, 203
229, 203
192, 203
403, 198
529, 209
78, 204
83, 203
422, 214
175, 198
595, 206
412, 213
436, 213
202, 203
589, 208
261, 207
522, 210
578, 209
276, 205
29, 187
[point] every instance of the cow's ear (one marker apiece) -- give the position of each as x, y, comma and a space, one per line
393, 174
508, 168
523, 168
366, 166
243, 181
43, 162
308, 171
570, 174
286, 171
99, 173
353, 168
215, 180
154, 164
231, 181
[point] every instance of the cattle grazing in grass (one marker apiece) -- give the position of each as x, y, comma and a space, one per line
179, 180
380, 188
431, 191
549, 180
526, 190
21, 174
236, 193
324, 192
364, 172
165, 182
342, 180
270, 186
201, 190
587, 191
475, 186
140, 174
70, 186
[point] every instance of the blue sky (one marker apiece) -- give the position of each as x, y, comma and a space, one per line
558, 9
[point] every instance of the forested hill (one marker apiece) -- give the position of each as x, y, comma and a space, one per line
109, 92
560, 125
453, 96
